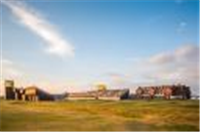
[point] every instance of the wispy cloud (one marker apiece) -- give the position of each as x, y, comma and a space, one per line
170, 67
178, 66
27, 16
161, 58
9, 69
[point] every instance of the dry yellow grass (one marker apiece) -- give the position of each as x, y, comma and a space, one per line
100, 115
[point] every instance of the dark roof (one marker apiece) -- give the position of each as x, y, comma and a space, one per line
113, 93
104, 93
37, 89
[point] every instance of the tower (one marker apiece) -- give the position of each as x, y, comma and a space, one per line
9, 89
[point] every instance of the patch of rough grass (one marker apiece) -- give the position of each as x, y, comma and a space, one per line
136, 115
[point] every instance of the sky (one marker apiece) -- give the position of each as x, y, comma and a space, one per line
72, 46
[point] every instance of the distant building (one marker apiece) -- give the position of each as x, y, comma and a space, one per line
9, 90
164, 91
18, 93
32, 93
118, 94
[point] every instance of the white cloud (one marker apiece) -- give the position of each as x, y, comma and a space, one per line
57, 45
178, 66
162, 58
185, 55
170, 67
9, 70
188, 52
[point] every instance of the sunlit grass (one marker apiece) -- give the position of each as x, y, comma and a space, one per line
100, 115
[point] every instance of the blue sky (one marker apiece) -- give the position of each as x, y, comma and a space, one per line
104, 42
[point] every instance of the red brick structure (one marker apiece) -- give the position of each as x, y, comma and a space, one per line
164, 91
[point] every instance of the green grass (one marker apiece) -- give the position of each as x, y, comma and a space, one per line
137, 115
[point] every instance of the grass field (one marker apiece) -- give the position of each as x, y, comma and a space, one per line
157, 115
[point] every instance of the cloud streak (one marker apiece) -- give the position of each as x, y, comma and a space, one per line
178, 66
31, 19
170, 67
9, 69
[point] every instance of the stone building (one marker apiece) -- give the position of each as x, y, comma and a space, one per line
115, 94
9, 90
31, 93
34, 93
164, 91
